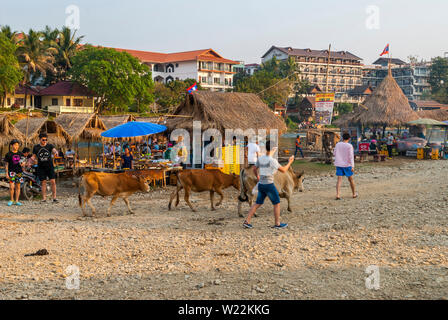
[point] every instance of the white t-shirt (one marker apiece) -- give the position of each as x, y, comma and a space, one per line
252, 149
268, 166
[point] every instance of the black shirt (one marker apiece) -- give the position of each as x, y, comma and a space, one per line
43, 155
13, 160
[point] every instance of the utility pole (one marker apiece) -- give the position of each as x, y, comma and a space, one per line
328, 68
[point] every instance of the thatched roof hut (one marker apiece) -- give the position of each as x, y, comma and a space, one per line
436, 114
157, 119
113, 121
57, 136
79, 126
386, 106
8, 131
225, 110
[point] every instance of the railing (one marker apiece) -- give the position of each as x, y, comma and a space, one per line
67, 109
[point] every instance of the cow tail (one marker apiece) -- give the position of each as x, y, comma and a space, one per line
79, 192
243, 195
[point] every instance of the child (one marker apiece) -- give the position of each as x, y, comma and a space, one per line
14, 162
127, 159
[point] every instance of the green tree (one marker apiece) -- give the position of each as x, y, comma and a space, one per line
10, 34
274, 81
170, 95
344, 107
118, 78
10, 72
35, 58
438, 79
65, 44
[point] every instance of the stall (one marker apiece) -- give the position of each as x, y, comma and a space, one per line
157, 168
435, 133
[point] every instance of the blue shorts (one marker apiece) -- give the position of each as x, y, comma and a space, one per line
268, 190
341, 171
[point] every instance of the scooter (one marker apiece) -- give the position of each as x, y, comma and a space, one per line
31, 185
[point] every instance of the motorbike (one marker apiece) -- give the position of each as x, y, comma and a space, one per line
31, 185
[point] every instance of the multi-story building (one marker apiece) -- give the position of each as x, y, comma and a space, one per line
345, 69
250, 69
411, 77
206, 66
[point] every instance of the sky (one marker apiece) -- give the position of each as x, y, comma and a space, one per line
246, 29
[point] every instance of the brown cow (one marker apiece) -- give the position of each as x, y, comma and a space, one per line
285, 182
200, 180
110, 184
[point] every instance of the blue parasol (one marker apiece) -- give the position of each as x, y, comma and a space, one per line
133, 129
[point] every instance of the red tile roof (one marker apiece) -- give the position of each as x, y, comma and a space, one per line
66, 88
20, 89
157, 57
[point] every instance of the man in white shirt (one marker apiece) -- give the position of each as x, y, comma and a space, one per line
253, 152
345, 164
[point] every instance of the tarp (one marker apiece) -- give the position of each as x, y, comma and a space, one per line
133, 129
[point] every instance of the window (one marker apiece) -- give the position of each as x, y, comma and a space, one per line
67, 102
54, 102
20, 101
8, 101
77, 102
204, 79
216, 81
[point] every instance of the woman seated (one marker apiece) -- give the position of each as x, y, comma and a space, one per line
373, 147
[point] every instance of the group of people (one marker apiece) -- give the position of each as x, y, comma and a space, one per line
265, 166
374, 144
16, 162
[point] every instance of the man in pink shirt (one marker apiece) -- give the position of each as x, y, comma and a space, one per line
345, 164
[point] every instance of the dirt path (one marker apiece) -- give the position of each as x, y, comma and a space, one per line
399, 223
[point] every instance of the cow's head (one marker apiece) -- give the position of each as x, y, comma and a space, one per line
142, 182
298, 180
236, 181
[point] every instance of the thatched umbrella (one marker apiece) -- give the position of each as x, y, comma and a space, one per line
79, 126
113, 121
8, 132
386, 106
56, 134
225, 110
436, 114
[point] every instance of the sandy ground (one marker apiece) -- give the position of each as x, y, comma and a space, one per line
399, 223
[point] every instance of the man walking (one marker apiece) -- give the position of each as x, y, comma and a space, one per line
298, 147
45, 168
253, 152
345, 164
267, 167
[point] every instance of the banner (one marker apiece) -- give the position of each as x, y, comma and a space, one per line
324, 107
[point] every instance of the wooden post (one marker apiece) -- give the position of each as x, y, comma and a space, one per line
113, 149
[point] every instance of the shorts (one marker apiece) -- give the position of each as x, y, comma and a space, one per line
267, 190
344, 171
15, 177
46, 172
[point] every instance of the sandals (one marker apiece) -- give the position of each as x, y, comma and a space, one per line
355, 196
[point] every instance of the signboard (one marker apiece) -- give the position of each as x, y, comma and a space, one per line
324, 107
364, 146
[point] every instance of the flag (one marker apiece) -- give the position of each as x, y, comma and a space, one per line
194, 87
385, 51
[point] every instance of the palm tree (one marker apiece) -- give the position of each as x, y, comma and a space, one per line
34, 57
66, 45
11, 35
50, 35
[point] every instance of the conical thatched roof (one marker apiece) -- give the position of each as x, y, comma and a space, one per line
387, 105
56, 134
81, 125
113, 121
225, 110
8, 131
436, 114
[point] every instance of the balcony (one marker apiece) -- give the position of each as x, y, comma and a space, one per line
66, 109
